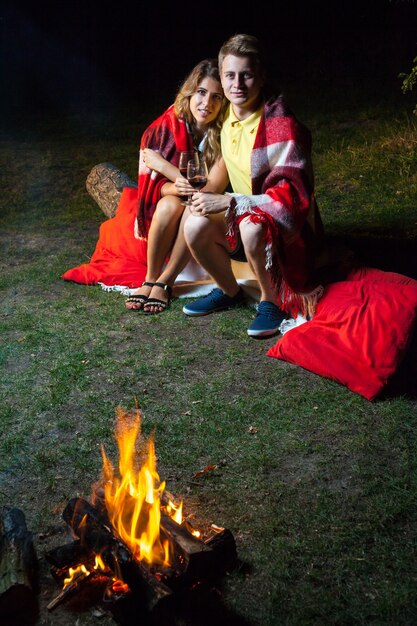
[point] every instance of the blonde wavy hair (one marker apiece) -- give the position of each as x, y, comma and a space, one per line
208, 68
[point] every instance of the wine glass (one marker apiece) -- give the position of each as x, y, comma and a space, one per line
197, 173
183, 162
182, 165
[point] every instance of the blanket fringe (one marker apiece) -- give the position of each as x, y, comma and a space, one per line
292, 302
126, 291
304, 304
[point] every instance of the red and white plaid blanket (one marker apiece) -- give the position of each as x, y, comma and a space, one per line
283, 199
169, 136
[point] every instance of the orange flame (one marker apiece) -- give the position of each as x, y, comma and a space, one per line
74, 573
133, 498
82, 571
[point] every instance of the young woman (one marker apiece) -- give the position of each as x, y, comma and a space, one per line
192, 123
134, 245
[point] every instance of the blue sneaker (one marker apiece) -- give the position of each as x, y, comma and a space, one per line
216, 300
267, 321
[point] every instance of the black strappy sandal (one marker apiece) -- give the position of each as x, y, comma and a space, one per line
139, 298
162, 304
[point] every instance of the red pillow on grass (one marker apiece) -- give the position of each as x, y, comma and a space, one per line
360, 332
118, 258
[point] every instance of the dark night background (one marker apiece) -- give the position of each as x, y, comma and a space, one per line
80, 56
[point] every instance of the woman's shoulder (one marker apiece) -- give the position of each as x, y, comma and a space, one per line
167, 115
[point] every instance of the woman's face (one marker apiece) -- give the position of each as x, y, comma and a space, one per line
206, 102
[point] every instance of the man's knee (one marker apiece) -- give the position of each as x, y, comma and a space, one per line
252, 235
194, 229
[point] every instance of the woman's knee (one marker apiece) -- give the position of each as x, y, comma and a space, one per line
168, 209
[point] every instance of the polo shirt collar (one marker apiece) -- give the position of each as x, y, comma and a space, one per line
250, 123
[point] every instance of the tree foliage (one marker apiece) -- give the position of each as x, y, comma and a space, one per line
410, 81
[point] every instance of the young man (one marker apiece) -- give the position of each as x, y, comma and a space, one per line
271, 216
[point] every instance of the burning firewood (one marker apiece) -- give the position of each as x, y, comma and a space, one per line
73, 586
196, 558
150, 554
66, 556
85, 522
18, 568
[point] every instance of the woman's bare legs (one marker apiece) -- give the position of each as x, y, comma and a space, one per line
161, 237
178, 259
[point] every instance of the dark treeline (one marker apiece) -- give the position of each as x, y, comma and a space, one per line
71, 55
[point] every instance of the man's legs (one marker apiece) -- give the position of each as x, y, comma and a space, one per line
206, 239
253, 240
269, 315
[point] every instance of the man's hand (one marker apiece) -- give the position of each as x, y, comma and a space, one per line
206, 203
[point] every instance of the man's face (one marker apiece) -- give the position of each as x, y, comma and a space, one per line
242, 82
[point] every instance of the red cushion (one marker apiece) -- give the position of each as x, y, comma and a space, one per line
360, 331
119, 258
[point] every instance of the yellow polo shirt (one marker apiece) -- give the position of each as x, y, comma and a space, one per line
237, 138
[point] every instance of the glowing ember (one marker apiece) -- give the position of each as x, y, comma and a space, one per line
133, 497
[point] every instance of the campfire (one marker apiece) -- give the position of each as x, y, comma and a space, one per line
132, 539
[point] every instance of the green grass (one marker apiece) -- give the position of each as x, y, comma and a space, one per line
317, 484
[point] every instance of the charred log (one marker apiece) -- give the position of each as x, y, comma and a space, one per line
196, 559
224, 546
18, 569
66, 556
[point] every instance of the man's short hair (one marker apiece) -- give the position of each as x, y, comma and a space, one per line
242, 45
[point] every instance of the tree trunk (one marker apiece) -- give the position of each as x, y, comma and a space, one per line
105, 184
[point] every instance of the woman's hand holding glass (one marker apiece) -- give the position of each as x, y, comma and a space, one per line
183, 188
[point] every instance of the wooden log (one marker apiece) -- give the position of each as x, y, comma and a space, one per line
197, 560
224, 546
18, 569
105, 184
85, 522
67, 555
194, 559
80, 579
